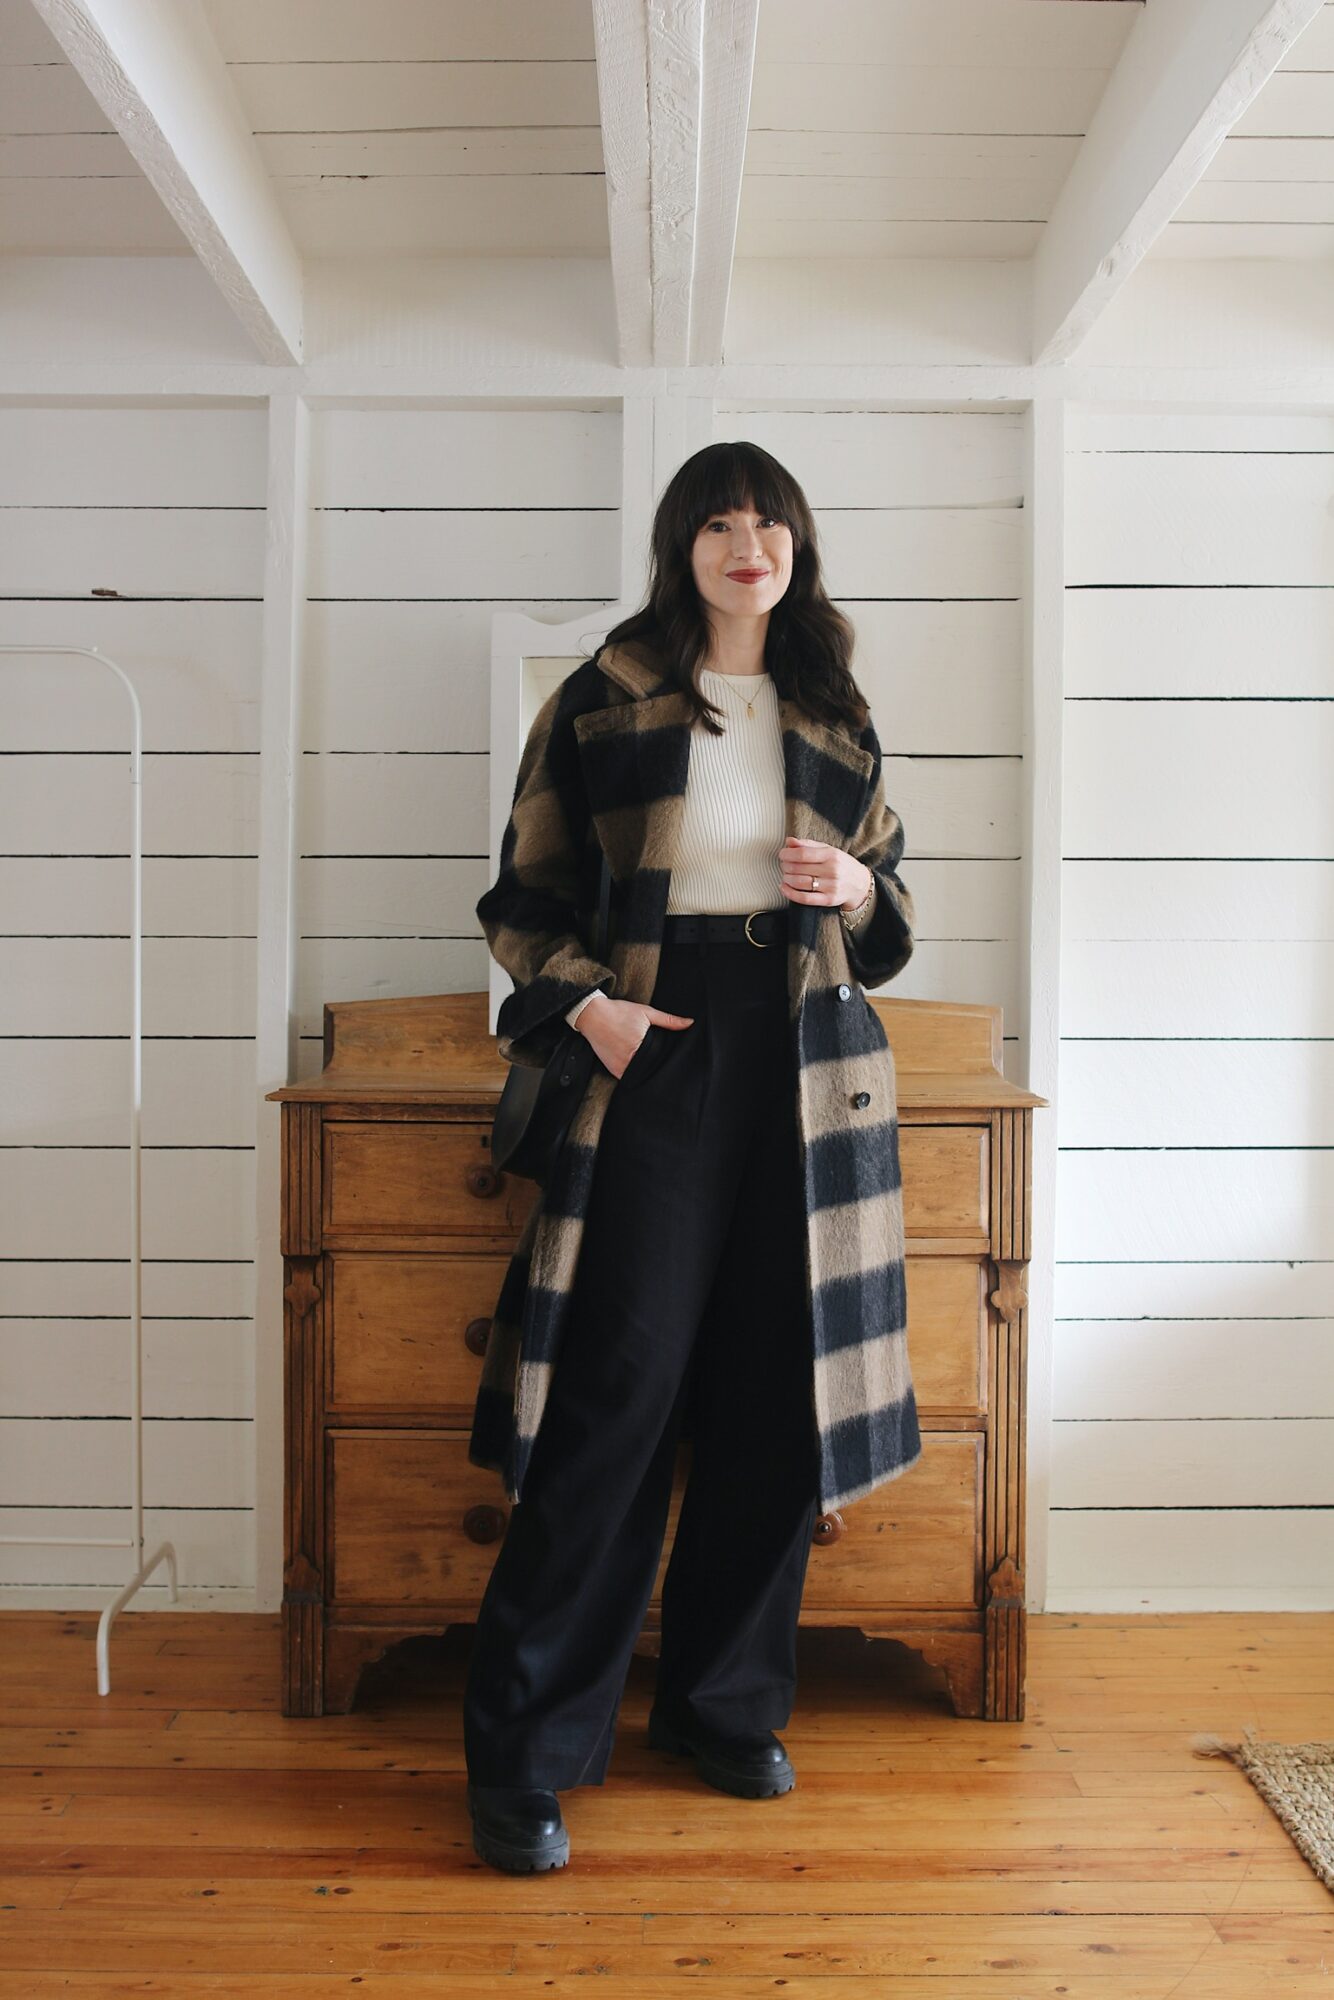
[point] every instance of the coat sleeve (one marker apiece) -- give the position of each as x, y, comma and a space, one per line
529, 914
882, 943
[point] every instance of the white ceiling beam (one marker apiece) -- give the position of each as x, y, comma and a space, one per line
674, 83
1188, 71
155, 70
727, 72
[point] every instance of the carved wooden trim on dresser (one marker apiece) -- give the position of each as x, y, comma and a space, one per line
1006, 1625
396, 1229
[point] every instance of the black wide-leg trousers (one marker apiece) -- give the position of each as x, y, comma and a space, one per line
688, 1316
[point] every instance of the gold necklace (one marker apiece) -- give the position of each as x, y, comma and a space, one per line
750, 700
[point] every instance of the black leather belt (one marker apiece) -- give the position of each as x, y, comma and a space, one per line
757, 927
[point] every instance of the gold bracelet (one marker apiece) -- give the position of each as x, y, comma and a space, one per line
852, 918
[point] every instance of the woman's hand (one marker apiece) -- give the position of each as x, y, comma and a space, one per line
843, 880
617, 1027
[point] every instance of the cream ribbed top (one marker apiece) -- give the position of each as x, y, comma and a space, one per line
733, 820
734, 815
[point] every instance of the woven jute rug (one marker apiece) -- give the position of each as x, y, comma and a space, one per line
1296, 1780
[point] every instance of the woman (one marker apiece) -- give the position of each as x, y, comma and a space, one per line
720, 1253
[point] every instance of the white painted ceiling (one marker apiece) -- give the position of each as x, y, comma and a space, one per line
68, 183
877, 129
429, 127
904, 128
1269, 189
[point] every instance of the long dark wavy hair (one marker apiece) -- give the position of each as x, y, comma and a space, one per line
808, 642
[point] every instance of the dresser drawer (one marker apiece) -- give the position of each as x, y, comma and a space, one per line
397, 1327
397, 1506
947, 1333
399, 1502
946, 1173
417, 1179
916, 1540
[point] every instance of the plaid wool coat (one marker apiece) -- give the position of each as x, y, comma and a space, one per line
605, 767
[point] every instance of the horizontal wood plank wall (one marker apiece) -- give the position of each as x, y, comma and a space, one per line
919, 519
1193, 1445
163, 507
425, 521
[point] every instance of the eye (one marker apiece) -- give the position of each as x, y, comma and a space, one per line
766, 520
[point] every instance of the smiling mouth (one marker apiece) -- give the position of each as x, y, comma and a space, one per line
747, 575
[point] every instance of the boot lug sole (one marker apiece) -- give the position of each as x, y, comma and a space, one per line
724, 1777
519, 1860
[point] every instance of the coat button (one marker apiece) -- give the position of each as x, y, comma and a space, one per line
862, 1099
845, 993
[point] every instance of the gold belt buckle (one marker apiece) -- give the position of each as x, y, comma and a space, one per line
763, 944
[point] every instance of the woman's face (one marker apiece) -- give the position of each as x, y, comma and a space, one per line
742, 562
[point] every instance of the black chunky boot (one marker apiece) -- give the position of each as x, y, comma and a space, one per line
755, 1766
518, 1828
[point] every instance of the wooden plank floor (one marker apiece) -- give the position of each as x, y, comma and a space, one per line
180, 1837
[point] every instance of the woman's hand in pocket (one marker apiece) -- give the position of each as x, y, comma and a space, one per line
617, 1027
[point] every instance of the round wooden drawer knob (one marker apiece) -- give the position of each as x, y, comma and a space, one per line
475, 1335
484, 1524
484, 1181
828, 1528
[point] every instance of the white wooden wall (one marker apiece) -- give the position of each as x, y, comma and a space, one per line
1193, 1378
919, 520
164, 506
424, 523
1192, 1387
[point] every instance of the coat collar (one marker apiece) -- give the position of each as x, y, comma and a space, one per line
635, 667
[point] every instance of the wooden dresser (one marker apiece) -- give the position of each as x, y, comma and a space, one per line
396, 1230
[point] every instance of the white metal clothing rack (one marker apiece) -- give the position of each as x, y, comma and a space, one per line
135, 1540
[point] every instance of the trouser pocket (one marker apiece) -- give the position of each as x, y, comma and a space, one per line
652, 1052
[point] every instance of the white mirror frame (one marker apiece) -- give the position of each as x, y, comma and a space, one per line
528, 660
